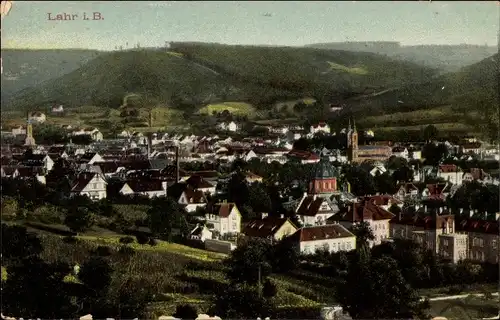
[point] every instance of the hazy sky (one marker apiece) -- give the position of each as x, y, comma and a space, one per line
291, 23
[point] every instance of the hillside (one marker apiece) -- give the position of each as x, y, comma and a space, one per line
468, 97
25, 68
211, 73
448, 58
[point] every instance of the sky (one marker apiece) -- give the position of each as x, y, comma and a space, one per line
289, 23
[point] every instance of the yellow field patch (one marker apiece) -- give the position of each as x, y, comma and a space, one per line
241, 108
186, 251
175, 54
356, 70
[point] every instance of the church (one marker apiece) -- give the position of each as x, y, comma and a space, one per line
358, 154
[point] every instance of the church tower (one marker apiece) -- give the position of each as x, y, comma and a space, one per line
352, 147
30, 141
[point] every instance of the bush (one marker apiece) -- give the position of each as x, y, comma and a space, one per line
70, 240
103, 251
142, 239
153, 242
126, 240
127, 251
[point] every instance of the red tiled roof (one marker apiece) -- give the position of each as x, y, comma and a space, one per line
310, 206
221, 209
329, 231
448, 168
477, 226
426, 222
264, 228
361, 212
145, 185
383, 200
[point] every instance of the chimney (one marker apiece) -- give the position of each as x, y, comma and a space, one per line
282, 216
441, 210
461, 210
425, 208
471, 213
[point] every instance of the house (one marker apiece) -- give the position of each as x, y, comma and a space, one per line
377, 218
223, 218
90, 158
199, 183
303, 157
374, 168
476, 174
228, 126
36, 117
406, 190
483, 238
434, 230
18, 130
384, 201
148, 188
451, 173
94, 133
321, 127
400, 152
252, 177
192, 199
436, 191
270, 228
57, 109
315, 210
90, 184
332, 238
471, 148
200, 233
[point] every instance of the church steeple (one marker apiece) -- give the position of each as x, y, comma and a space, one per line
349, 127
354, 125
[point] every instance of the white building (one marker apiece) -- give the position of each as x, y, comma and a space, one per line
333, 238
450, 173
320, 127
37, 117
228, 126
149, 189
225, 218
90, 184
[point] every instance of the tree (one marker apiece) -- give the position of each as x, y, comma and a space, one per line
433, 154
376, 289
403, 174
241, 302
363, 233
258, 198
18, 243
248, 263
430, 133
35, 289
285, 257
164, 216
96, 274
186, 312
269, 289
79, 219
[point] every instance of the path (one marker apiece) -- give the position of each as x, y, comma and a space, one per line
460, 296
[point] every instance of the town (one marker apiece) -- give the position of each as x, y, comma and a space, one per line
283, 189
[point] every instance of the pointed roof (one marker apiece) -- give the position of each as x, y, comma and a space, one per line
324, 170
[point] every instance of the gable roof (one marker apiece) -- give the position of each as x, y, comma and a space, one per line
357, 212
145, 185
223, 210
264, 228
310, 206
425, 221
82, 181
324, 232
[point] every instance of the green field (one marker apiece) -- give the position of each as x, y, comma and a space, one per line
338, 67
237, 108
470, 308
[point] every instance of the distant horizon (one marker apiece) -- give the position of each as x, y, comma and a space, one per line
257, 23
265, 45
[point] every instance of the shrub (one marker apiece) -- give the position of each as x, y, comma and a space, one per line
153, 242
126, 240
70, 239
103, 251
125, 250
142, 239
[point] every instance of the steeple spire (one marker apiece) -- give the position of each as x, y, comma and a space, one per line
354, 124
349, 127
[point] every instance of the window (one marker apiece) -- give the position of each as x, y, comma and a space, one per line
234, 225
334, 246
326, 246
494, 243
233, 217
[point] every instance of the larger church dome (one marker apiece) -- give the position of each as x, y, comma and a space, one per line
324, 170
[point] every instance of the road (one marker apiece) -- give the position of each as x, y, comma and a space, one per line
460, 296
